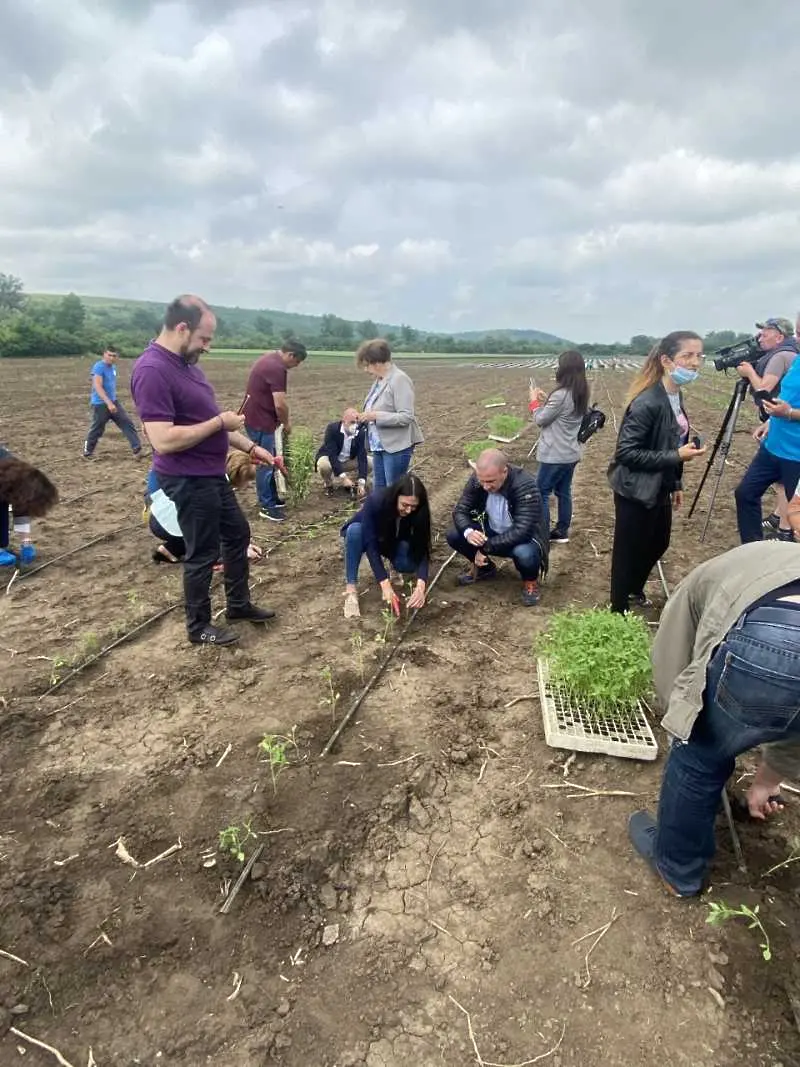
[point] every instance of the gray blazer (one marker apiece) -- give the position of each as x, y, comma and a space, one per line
394, 403
559, 424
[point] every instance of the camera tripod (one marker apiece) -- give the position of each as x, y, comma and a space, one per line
722, 447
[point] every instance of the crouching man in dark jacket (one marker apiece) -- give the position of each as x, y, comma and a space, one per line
500, 514
343, 452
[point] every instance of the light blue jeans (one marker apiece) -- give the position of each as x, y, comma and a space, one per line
752, 697
388, 467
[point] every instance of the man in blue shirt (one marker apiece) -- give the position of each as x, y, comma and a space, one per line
777, 460
104, 406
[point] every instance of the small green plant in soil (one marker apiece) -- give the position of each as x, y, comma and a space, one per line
273, 747
300, 453
601, 658
357, 645
719, 912
233, 839
506, 425
331, 699
474, 448
387, 615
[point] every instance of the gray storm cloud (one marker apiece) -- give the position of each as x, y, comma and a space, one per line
591, 170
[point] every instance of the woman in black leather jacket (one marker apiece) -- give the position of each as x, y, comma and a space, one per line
645, 473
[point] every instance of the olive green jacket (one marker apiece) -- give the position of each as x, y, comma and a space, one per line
696, 620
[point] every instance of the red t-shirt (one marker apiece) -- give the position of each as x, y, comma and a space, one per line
267, 377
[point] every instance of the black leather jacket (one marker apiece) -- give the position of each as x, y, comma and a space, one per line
524, 506
646, 466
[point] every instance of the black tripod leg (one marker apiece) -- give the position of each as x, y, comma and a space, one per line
719, 439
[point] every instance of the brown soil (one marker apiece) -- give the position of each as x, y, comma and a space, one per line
426, 838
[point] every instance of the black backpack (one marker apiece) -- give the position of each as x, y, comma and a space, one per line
592, 421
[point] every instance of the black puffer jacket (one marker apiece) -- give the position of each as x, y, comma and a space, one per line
646, 466
524, 506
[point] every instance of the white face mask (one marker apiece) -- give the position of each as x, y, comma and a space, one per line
350, 427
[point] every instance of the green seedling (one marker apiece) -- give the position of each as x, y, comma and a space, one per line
602, 659
357, 645
720, 912
388, 623
274, 747
132, 597
234, 838
300, 460
332, 698
506, 425
474, 448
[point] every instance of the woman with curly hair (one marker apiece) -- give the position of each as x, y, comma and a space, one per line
28, 493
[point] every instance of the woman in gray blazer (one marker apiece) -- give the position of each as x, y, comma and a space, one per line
388, 412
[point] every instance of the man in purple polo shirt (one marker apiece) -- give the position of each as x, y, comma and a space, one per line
190, 438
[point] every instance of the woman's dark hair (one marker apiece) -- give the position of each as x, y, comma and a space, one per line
25, 488
375, 351
571, 375
419, 521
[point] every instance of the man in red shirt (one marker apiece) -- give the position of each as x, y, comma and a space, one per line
266, 410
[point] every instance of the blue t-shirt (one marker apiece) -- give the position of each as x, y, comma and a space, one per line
108, 372
783, 439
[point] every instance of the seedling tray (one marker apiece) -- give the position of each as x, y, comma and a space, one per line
574, 725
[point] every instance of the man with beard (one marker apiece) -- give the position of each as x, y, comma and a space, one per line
190, 438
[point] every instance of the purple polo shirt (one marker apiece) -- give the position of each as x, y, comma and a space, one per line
165, 389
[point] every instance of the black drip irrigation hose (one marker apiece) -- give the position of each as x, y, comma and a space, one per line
21, 577
382, 666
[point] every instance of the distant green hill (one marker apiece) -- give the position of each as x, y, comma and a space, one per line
512, 335
110, 312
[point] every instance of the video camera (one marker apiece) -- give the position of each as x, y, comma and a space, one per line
747, 351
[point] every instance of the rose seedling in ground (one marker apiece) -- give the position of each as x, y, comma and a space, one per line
600, 658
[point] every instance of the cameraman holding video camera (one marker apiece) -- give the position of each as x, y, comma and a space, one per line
780, 347
777, 460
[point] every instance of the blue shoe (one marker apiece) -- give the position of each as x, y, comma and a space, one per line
642, 834
7, 559
27, 553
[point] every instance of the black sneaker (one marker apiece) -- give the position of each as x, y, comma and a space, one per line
274, 514
249, 613
478, 574
639, 600
88, 455
783, 535
214, 635
772, 522
559, 537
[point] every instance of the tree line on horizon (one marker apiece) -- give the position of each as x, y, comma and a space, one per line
35, 326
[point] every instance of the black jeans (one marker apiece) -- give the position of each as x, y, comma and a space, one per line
100, 419
641, 537
210, 518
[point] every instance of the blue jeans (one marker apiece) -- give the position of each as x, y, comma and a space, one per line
354, 550
765, 470
557, 478
387, 467
265, 476
527, 557
752, 697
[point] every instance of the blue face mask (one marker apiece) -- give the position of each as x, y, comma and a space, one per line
683, 376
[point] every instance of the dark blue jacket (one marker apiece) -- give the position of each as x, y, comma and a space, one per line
375, 549
332, 447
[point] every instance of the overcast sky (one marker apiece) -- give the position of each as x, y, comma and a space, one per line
594, 169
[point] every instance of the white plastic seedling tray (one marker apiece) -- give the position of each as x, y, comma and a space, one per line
574, 725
